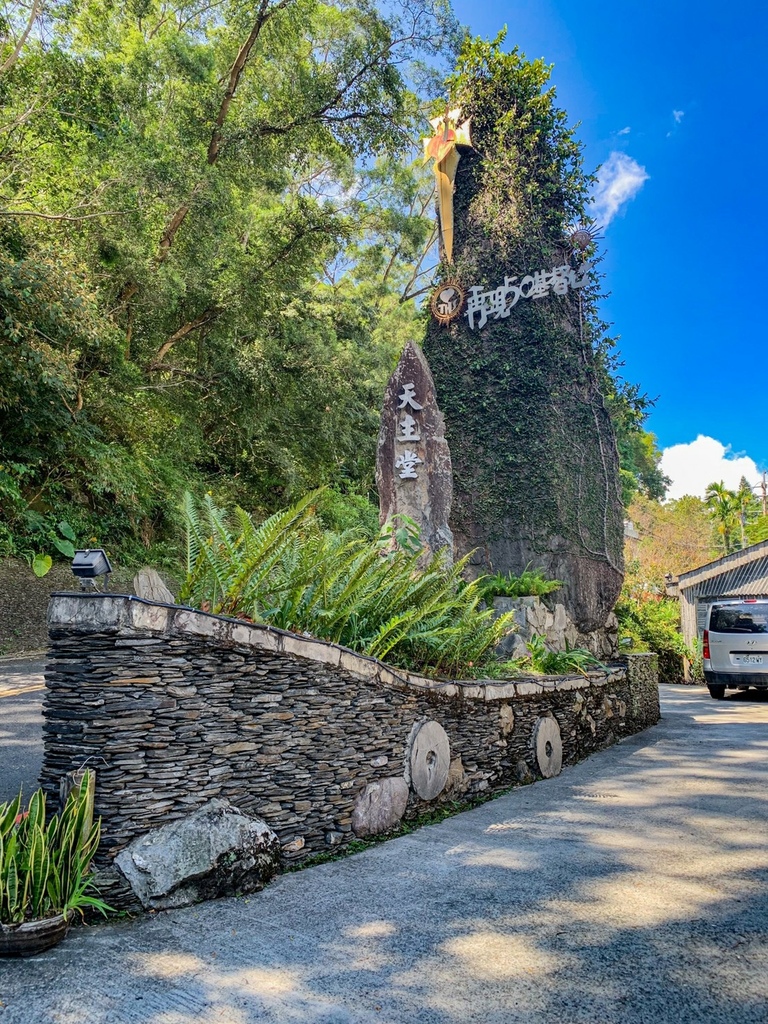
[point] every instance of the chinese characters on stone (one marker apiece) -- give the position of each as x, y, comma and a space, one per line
408, 432
499, 302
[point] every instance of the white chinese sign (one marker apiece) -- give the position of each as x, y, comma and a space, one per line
408, 432
499, 302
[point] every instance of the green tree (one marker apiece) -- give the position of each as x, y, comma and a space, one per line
749, 508
757, 531
178, 178
725, 512
652, 622
673, 537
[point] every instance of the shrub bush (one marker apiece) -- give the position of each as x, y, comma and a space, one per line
371, 596
652, 622
530, 583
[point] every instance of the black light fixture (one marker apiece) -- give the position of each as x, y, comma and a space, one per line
88, 565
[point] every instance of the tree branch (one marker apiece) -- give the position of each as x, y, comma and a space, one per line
188, 328
417, 272
263, 16
20, 120
171, 229
13, 57
265, 13
288, 247
197, 14
126, 293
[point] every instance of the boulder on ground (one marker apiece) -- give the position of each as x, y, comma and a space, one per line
215, 851
380, 806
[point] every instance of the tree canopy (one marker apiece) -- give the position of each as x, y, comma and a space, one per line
209, 219
207, 225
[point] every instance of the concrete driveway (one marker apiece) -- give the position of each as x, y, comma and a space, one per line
632, 888
21, 725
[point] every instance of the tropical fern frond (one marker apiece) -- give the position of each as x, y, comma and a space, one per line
371, 597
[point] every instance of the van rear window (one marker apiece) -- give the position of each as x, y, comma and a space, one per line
739, 618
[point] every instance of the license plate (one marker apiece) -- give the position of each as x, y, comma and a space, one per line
749, 659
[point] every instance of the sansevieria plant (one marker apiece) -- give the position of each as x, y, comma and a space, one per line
45, 869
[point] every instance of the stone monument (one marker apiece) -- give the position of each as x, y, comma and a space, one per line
511, 343
413, 463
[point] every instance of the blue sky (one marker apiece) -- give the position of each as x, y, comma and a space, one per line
672, 101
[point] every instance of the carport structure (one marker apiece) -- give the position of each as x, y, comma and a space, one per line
742, 574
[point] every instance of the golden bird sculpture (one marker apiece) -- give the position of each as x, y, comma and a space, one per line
442, 147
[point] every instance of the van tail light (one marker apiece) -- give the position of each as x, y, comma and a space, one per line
705, 645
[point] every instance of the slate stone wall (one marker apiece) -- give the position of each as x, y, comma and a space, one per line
173, 707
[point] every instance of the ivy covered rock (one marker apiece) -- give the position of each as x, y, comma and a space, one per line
536, 473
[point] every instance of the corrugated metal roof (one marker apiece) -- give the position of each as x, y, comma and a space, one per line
750, 580
743, 572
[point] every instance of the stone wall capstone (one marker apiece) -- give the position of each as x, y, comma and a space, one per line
175, 708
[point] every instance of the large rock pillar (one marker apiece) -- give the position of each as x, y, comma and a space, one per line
535, 462
413, 464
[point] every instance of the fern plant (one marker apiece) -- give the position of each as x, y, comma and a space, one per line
44, 869
530, 583
371, 597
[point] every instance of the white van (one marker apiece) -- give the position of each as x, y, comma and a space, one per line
735, 645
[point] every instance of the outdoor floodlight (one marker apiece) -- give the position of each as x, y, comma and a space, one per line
89, 564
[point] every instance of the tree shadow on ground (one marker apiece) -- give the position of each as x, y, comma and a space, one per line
630, 889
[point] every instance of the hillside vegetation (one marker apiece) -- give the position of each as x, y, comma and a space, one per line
212, 237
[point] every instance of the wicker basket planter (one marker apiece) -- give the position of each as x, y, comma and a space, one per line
33, 937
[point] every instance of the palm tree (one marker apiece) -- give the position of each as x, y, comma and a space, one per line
725, 512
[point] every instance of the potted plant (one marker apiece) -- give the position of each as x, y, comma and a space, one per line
45, 870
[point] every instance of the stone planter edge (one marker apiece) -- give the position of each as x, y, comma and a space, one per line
128, 616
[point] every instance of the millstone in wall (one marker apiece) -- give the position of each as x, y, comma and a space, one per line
429, 760
148, 585
380, 806
548, 746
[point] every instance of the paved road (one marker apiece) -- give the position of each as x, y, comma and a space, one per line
21, 738
632, 888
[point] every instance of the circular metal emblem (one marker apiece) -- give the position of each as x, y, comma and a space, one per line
446, 302
581, 239
583, 235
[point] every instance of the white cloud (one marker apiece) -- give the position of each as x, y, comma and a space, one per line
694, 466
619, 179
678, 115
624, 131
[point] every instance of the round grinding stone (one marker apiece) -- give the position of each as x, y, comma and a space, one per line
548, 746
430, 760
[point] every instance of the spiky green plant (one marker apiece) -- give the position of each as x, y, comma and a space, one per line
44, 869
542, 658
371, 597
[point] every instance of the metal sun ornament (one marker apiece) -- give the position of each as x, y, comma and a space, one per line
582, 236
